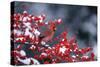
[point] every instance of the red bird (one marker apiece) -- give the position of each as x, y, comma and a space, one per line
48, 34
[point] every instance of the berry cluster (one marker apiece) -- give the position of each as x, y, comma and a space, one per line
27, 30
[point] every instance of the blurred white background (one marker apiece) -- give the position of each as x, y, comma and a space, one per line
5, 32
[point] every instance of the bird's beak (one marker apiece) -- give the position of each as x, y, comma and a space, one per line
55, 29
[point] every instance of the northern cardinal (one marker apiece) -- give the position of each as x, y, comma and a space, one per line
48, 34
